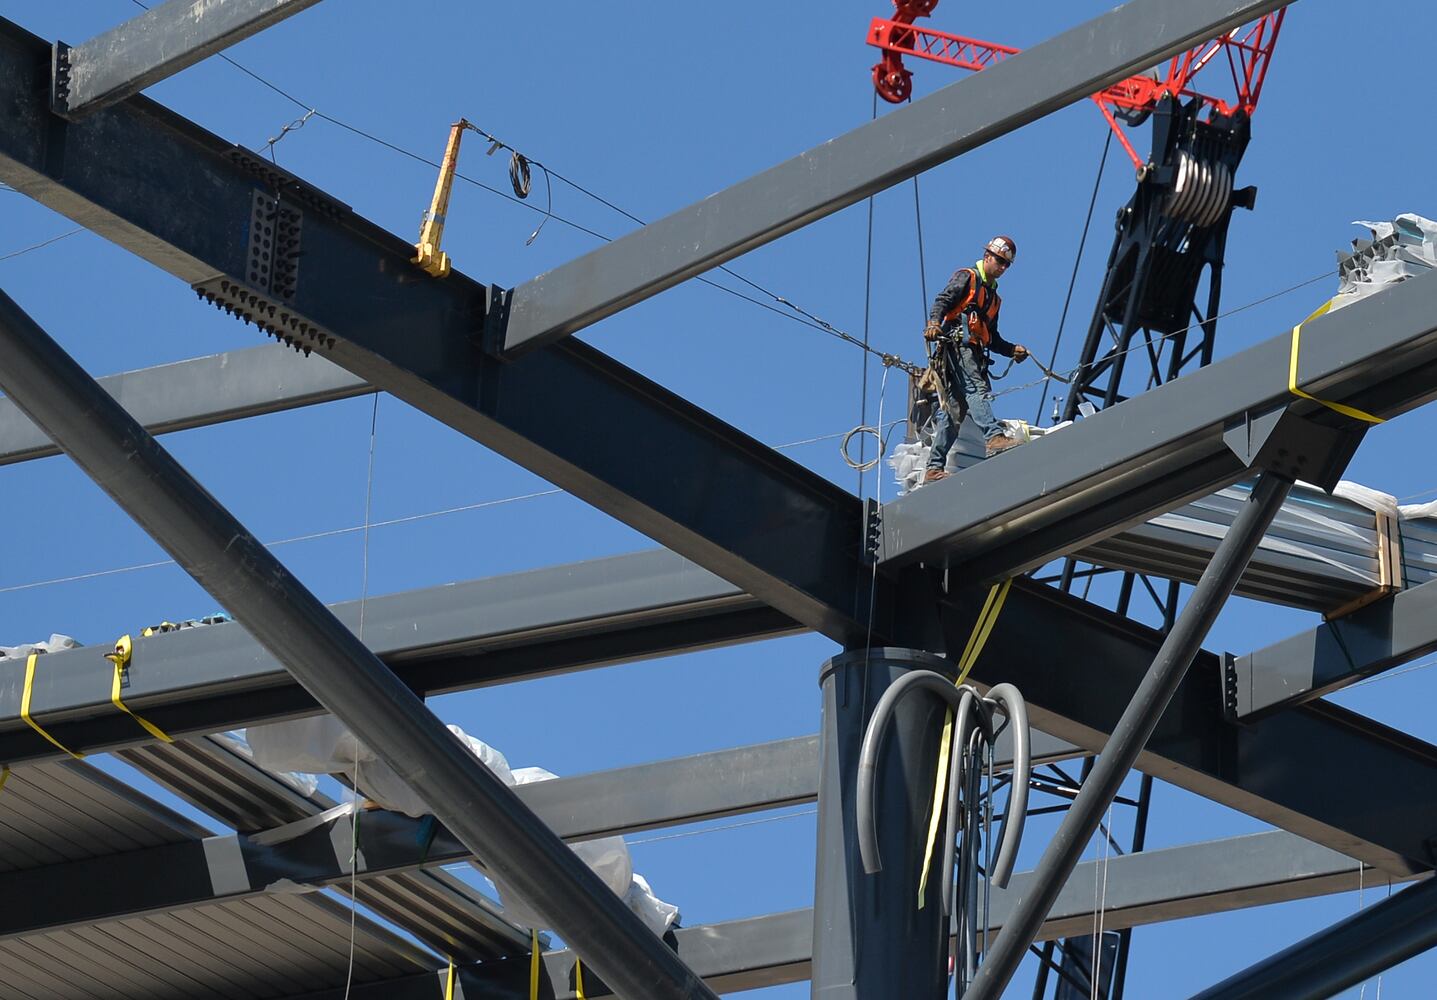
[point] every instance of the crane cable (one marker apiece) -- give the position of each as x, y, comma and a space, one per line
1073, 280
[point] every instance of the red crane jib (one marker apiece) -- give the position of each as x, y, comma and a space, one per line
1245, 51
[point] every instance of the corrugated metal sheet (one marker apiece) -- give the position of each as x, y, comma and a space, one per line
439, 909
266, 946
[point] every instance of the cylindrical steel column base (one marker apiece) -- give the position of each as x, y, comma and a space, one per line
871, 941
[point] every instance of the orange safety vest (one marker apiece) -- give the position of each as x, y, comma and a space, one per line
982, 303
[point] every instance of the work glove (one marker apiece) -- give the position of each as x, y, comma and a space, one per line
932, 331
1020, 353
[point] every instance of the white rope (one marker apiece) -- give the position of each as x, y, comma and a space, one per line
1100, 905
363, 598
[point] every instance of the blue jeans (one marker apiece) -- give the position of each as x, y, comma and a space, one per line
976, 402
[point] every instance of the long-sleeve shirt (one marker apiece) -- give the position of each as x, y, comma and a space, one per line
955, 292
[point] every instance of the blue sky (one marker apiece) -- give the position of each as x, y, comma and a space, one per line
654, 108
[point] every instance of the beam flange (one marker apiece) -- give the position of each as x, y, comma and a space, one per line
158, 43
845, 170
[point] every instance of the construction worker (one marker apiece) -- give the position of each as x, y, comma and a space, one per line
964, 325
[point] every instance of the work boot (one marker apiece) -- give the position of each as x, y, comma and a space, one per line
1001, 443
933, 475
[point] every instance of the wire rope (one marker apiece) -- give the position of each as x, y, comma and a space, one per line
1073, 279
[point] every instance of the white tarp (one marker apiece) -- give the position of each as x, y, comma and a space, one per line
323, 745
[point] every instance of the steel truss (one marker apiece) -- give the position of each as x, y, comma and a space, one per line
341, 286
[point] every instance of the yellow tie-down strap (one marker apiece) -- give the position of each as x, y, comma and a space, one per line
25, 708
535, 958
982, 628
124, 649
1346, 411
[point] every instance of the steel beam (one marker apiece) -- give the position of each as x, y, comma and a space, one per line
845, 170
1130, 735
1345, 954
608, 803
438, 639
1145, 888
647, 604
1333, 655
324, 656
1079, 665
157, 44
198, 392
199, 207
1167, 446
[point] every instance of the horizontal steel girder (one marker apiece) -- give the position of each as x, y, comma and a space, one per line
316, 853
1078, 666
1337, 653
647, 604
845, 170
199, 392
1144, 888
157, 44
198, 207
1298, 564
439, 639
1166, 446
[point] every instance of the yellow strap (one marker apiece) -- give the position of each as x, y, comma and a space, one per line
534, 965
449, 986
1346, 411
982, 628
124, 648
578, 979
25, 708
4, 776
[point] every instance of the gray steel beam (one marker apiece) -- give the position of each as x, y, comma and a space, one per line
199, 207
607, 803
647, 604
157, 44
1160, 682
438, 639
1165, 447
199, 392
845, 170
331, 662
1332, 568
1079, 665
1333, 655
1345, 954
1144, 888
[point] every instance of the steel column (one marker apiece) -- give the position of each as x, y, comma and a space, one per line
845, 170
1350, 951
873, 935
331, 662
1130, 735
157, 44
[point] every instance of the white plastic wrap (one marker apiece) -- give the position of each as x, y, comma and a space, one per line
322, 745
1401, 249
1412, 511
317, 745
382, 785
608, 857
55, 643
